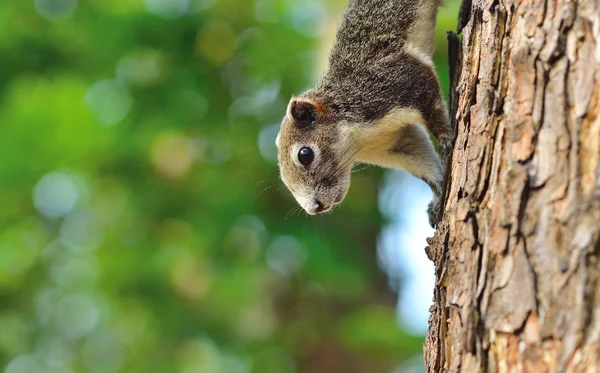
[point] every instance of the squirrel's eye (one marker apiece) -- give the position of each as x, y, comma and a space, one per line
306, 156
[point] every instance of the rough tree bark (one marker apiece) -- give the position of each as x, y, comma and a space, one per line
517, 253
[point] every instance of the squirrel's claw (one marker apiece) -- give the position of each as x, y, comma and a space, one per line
433, 211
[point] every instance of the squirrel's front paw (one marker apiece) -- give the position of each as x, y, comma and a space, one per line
433, 211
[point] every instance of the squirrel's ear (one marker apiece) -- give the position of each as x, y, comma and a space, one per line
302, 112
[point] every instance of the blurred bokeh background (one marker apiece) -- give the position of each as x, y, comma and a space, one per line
143, 227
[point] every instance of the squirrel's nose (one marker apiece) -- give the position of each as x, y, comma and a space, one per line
317, 207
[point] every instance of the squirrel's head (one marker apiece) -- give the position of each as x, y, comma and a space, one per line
315, 158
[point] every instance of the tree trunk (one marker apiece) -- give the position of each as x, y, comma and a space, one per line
517, 252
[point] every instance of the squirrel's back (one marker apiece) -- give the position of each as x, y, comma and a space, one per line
373, 29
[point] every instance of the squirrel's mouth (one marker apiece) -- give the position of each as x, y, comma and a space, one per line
326, 209
315, 206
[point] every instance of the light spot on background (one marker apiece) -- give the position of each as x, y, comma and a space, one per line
169, 9
235, 77
264, 11
285, 255
246, 238
199, 356
266, 142
76, 315
102, 352
258, 321
141, 68
71, 270
217, 42
130, 320
109, 100
306, 16
234, 364
55, 195
55, 9
81, 232
258, 101
190, 277
171, 154
45, 303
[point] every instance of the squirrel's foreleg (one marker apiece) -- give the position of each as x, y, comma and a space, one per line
418, 156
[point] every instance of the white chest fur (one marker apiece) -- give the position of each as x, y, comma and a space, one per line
398, 140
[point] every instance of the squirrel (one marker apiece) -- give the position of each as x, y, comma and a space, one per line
378, 103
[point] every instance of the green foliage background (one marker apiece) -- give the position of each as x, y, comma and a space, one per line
143, 227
